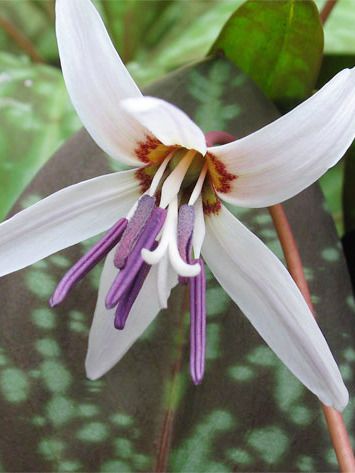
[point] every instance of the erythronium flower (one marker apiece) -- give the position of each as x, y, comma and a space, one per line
170, 208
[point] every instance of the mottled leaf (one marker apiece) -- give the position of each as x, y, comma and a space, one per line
278, 43
250, 413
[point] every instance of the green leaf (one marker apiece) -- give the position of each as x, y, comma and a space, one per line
35, 118
277, 43
184, 33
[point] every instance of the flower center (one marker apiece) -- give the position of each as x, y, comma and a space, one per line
217, 178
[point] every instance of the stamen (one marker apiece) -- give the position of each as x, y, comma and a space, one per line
159, 174
125, 305
185, 229
198, 325
128, 299
134, 229
88, 261
173, 183
198, 187
153, 257
182, 268
134, 262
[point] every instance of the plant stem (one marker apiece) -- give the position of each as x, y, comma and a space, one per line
20, 39
327, 9
164, 446
22, 42
335, 422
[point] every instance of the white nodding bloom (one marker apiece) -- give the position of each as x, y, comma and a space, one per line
268, 166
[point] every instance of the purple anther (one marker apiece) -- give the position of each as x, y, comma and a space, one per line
126, 302
198, 324
185, 229
88, 261
134, 262
134, 229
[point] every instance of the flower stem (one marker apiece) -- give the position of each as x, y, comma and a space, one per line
164, 442
327, 9
20, 39
335, 421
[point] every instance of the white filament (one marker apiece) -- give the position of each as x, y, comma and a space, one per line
172, 183
198, 187
159, 174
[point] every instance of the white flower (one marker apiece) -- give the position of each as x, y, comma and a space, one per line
169, 154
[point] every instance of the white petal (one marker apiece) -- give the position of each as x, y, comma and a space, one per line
283, 158
108, 345
70, 215
168, 123
264, 290
96, 79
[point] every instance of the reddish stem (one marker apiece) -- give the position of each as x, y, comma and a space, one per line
20, 39
326, 10
335, 421
169, 416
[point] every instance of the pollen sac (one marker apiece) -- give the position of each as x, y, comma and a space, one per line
134, 229
198, 324
185, 228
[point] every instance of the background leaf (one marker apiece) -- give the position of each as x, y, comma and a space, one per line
279, 44
250, 414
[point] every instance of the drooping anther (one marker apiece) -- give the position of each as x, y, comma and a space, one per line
134, 229
134, 262
198, 324
88, 261
127, 300
185, 229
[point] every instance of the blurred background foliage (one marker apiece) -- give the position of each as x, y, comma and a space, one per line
153, 37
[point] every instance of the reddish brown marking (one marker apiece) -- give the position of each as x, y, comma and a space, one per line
151, 150
212, 208
144, 148
145, 177
221, 178
210, 200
